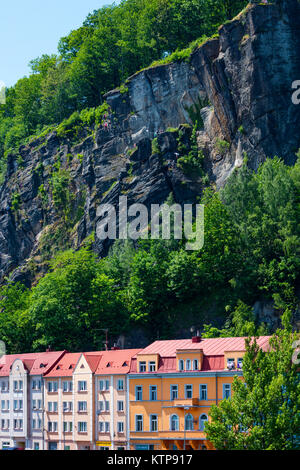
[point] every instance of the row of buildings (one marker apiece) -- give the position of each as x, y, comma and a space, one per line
155, 398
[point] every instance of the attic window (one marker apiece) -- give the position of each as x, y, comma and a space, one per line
71, 366
108, 364
58, 367
82, 366
42, 365
125, 364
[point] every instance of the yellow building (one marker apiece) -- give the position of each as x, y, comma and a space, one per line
172, 385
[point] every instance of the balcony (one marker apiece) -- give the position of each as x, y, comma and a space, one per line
190, 402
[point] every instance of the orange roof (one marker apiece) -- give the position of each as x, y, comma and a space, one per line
116, 361
65, 366
209, 346
35, 363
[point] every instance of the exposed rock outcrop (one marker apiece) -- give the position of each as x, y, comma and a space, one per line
238, 84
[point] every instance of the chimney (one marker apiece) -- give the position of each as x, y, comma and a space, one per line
197, 338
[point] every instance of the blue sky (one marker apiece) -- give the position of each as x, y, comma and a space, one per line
30, 28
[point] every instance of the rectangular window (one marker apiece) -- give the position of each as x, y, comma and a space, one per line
142, 366
67, 386
174, 392
107, 406
151, 366
82, 386
138, 392
82, 406
120, 405
106, 385
120, 426
203, 392
120, 384
36, 446
101, 385
188, 391
153, 392
107, 427
101, 426
153, 423
3, 405
226, 391
139, 423
82, 426
101, 406
52, 387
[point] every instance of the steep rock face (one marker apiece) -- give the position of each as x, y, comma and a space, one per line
238, 84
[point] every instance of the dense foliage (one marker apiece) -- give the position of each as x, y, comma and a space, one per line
251, 252
264, 411
112, 44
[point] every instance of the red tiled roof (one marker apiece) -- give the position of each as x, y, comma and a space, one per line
93, 360
115, 361
213, 352
65, 366
210, 346
32, 362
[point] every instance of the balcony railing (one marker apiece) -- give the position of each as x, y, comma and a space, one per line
186, 402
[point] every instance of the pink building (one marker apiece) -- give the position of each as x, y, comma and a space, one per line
22, 404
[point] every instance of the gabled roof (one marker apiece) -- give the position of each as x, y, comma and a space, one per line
93, 360
35, 363
65, 366
115, 361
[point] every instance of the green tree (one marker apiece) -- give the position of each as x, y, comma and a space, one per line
264, 411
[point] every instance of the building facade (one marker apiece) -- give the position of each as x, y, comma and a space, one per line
157, 398
172, 385
22, 399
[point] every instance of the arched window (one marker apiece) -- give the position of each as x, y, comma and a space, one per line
189, 423
181, 364
188, 364
202, 420
195, 364
174, 423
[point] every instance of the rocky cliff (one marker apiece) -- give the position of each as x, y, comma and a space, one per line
237, 85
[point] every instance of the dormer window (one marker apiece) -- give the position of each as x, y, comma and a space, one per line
151, 366
181, 364
240, 363
195, 364
230, 364
142, 366
188, 364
